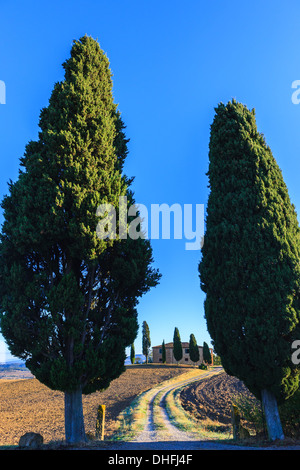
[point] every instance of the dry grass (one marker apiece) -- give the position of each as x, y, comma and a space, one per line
27, 405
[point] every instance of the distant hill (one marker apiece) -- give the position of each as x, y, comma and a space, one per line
17, 369
138, 357
16, 365
14, 370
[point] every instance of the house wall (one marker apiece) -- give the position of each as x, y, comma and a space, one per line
170, 359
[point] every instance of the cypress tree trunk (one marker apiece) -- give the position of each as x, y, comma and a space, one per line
74, 423
273, 422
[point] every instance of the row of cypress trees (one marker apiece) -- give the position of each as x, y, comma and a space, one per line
177, 347
193, 349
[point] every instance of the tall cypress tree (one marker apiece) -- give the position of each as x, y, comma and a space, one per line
177, 346
206, 353
68, 298
132, 354
163, 352
250, 261
193, 348
146, 340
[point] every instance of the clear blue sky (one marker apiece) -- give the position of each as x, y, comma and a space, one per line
173, 62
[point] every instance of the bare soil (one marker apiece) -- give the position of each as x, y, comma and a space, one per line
210, 401
26, 405
211, 398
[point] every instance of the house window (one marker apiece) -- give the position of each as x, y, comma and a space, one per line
160, 350
186, 359
187, 351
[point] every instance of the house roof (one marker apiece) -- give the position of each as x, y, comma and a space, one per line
170, 345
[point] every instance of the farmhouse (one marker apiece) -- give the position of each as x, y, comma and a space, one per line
170, 359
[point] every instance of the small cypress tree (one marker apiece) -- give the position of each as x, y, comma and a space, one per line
206, 353
146, 341
250, 268
163, 352
132, 354
193, 348
177, 346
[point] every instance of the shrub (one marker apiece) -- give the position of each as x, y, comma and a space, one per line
250, 411
290, 415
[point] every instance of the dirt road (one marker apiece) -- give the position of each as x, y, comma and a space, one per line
167, 436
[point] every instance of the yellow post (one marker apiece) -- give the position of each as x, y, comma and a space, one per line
100, 422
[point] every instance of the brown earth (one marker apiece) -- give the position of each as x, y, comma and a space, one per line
27, 405
210, 399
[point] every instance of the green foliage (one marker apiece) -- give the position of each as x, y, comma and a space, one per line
146, 341
193, 349
217, 360
132, 354
250, 410
68, 299
206, 353
289, 412
163, 352
177, 346
203, 366
250, 268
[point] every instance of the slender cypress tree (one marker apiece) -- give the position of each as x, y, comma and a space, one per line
177, 346
193, 348
68, 298
132, 354
206, 353
163, 352
250, 261
146, 341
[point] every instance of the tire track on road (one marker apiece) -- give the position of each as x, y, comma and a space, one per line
156, 412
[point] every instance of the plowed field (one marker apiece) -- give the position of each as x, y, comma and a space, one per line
27, 405
210, 399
